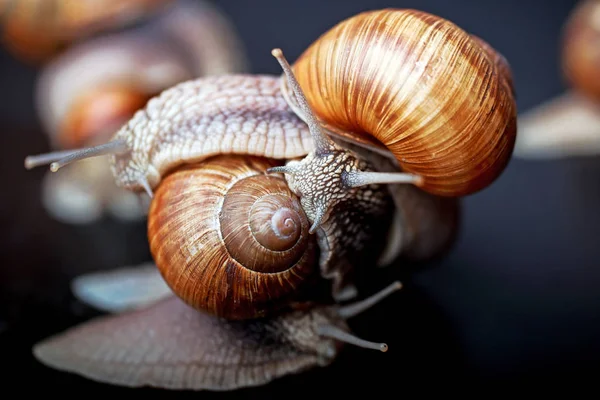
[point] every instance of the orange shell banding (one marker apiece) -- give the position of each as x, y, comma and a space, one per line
432, 94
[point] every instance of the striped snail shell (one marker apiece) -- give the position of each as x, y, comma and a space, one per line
416, 85
229, 239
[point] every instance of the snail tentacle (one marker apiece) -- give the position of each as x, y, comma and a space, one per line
332, 332
60, 159
327, 174
363, 178
354, 309
323, 143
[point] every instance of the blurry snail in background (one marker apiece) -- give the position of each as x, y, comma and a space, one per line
87, 93
37, 30
266, 188
569, 124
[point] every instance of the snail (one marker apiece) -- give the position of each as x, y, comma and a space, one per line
339, 191
568, 124
168, 344
89, 91
36, 30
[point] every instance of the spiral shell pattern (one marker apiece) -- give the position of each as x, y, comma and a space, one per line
229, 239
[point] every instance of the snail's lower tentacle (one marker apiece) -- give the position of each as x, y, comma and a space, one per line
333, 332
352, 310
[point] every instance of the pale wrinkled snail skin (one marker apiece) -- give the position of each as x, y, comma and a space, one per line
233, 114
353, 234
171, 345
420, 87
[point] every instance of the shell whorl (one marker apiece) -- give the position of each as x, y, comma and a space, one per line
420, 86
229, 239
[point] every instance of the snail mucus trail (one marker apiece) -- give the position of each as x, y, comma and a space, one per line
321, 179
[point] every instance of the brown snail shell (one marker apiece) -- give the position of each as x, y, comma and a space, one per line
229, 239
419, 86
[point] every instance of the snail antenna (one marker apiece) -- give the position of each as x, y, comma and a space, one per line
352, 310
362, 178
59, 159
323, 143
283, 169
336, 333
46, 158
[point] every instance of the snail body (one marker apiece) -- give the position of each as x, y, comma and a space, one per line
171, 345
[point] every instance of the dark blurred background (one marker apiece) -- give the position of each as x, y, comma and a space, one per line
516, 300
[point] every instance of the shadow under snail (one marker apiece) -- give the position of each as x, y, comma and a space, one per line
247, 169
